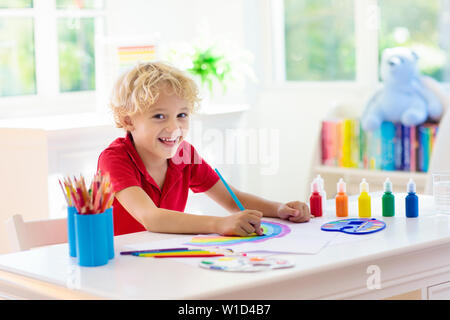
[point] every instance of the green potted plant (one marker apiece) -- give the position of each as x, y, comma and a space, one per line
214, 65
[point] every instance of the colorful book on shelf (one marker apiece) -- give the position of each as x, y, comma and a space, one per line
373, 141
406, 146
391, 147
398, 147
422, 159
339, 141
433, 132
350, 143
346, 143
413, 148
328, 137
409, 145
388, 146
331, 142
363, 152
426, 134
355, 154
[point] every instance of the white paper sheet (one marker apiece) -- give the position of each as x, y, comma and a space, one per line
304, 238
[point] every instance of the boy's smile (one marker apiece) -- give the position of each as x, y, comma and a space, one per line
170, 142
158, 132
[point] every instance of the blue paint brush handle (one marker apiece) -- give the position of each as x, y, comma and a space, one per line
236, 200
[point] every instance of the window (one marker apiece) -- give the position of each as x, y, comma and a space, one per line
17, 64
319, 40
76, 54
76, 50
424, 26
342, 40
16, 3
47, 48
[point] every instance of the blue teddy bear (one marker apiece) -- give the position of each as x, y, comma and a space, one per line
404, 97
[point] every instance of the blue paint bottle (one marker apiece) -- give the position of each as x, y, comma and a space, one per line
411, 200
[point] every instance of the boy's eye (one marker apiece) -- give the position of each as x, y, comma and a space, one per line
182, 115
158, 116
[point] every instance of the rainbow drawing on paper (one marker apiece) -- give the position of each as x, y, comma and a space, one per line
271, 230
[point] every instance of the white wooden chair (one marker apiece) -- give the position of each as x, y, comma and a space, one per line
24, 235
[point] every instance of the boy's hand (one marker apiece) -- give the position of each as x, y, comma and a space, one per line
241, 224
294, 211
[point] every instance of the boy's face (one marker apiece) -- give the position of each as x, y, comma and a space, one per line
159, 131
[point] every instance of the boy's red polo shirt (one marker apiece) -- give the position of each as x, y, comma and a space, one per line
185, 170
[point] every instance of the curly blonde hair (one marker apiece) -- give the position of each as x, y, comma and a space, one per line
138, 89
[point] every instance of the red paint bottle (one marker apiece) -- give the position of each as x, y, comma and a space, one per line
315, 201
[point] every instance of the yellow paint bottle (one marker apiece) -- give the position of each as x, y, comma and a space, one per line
364, 200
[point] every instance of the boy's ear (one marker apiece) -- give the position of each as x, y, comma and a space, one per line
128, 123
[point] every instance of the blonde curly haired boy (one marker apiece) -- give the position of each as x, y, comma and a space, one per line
153, 167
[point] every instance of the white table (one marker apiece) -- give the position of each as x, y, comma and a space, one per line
410, 254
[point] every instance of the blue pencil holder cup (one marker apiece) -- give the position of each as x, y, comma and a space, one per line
71, 236
94, 238
110, 232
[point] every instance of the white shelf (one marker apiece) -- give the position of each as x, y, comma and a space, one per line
60, 122
97, 119
372, 173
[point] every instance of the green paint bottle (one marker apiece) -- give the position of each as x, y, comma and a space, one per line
388, 200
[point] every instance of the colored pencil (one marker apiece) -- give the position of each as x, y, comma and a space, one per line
174, 253
233, 195
65, 193
153, 250
236, 200
95, 199
187, 252
192, 256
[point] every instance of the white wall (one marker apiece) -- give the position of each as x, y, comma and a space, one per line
175, 20
297, 114
23, 189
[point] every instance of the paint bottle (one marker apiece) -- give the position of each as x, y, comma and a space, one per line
364, 200
341, 199
315, 201
322, 192
411, 200
388, 200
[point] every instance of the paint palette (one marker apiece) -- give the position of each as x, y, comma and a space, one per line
355, 225
245, 264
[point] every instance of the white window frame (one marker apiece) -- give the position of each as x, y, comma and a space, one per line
367, 23
48, 98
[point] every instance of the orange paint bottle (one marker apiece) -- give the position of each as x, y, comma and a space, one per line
341, 199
